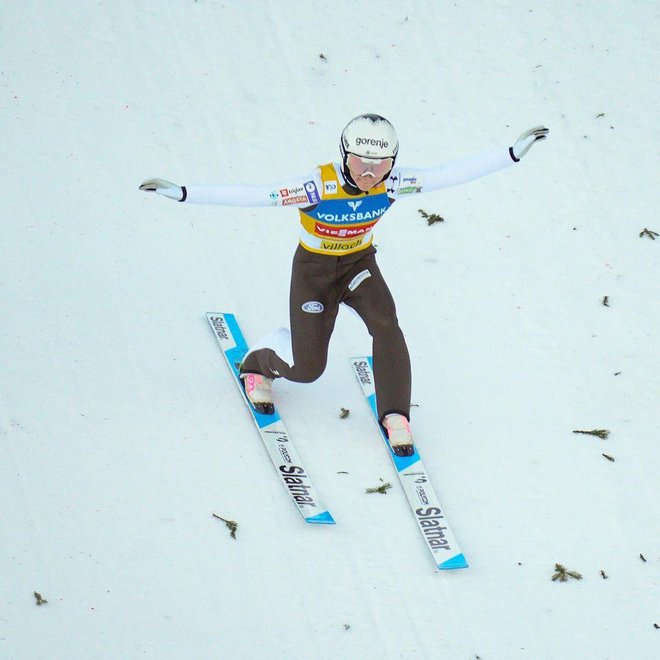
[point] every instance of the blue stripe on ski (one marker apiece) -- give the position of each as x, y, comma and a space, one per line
235, 330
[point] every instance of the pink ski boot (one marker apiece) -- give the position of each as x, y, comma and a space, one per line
399, 434
258, 390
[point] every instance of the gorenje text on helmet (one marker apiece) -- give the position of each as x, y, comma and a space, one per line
372, 142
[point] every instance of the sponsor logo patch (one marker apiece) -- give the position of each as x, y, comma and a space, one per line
220, 327
364, 216
341, 232
363, 372
297, 481
299, 199
358, 279
312, 307
312, 192
421, 494
431, 521
290, 192
371, 142
336, 245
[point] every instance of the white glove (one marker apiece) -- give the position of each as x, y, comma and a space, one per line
526, 140
162, 187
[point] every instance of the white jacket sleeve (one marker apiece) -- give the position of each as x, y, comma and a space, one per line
298, 192
408, 180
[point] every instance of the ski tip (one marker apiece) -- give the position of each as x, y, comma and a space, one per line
324, 518
457, 561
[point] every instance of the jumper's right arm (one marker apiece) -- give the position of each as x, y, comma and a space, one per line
297, 192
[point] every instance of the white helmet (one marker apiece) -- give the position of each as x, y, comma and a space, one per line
368, 136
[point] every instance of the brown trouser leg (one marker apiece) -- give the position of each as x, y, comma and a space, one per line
318, 285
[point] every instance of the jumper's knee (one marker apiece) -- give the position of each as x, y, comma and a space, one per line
383, 325
307, 372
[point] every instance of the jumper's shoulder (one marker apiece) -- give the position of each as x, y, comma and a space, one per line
404, 181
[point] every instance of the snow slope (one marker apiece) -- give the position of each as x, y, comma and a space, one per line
121, 431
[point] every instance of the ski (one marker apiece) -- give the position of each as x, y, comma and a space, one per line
271, 428
416, 484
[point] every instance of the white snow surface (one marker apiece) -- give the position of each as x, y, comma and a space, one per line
122, 432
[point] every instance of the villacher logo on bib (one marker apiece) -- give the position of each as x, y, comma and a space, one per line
313, 307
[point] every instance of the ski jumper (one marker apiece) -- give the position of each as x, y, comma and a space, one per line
335, 263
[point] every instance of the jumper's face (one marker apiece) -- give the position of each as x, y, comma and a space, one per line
368, 172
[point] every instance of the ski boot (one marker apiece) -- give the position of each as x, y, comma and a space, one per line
258, 390
399, 434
